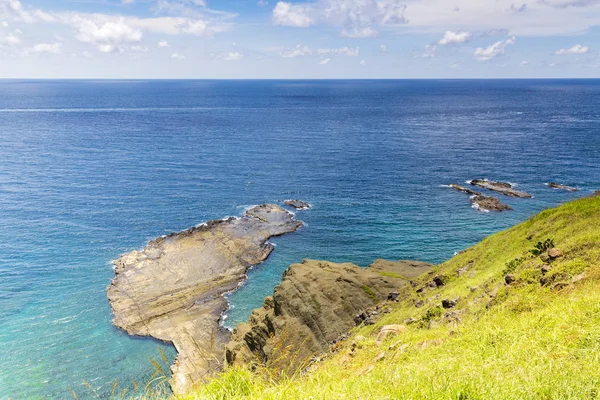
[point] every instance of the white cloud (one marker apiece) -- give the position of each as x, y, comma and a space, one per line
362, 62
577, 49
177, 56
451, 37
262, 3
524, 63
9, 40
494, 50
139, 49
342, 51
105, 32
109, 48
230, 56
365, 32
46, 48
383, 49
162, 44
298, 51
289, 14
356, 18
325, 61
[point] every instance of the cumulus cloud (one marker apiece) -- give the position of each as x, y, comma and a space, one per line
325, 61
356, 18
451, 37
230, 56
177, 56
298, 51
45, 48
577, 49
494, 50
524, 63
289, 14
105, 32
162, 44
342, 51
9, 40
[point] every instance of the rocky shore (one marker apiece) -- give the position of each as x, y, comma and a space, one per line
315, 304
173, 289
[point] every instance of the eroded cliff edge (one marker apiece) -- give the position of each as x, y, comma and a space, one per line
316, 303
173, 289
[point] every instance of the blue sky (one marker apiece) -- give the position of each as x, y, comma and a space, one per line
299, 39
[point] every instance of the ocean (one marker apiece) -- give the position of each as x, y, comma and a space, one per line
93, 169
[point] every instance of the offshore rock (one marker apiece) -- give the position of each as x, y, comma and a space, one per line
500, 187
555, 185
173, 289
297, 204
315, 303
481, 202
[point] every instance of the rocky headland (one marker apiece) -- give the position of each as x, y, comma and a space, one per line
481, 202
315, 304
173, 289
504, 188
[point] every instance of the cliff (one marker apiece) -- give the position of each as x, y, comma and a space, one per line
316, 303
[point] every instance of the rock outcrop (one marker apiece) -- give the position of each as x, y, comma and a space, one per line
172, 289
297, 204
501, 187
315, 303
481, 202
555, 185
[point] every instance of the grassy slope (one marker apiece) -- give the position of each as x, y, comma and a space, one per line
521, 341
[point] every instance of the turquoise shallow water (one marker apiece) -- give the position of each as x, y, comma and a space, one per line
92, 169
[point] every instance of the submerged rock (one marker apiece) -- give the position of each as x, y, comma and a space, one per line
500, 187
481, 202
316, 302
555, 185
172, 289
297, 204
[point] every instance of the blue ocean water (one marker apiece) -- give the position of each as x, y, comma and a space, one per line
93, 169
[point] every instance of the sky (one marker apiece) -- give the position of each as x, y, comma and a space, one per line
256, 39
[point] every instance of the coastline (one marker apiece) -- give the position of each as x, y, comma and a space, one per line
173, 290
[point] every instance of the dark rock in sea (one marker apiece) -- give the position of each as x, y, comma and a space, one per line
481, 202
596, 193
315, 303
555, 185
173, 289
500, 187
489, 203
297, 204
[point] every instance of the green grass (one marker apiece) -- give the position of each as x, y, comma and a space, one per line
538, 338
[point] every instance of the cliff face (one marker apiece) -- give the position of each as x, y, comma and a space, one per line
172, 290
315, 303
